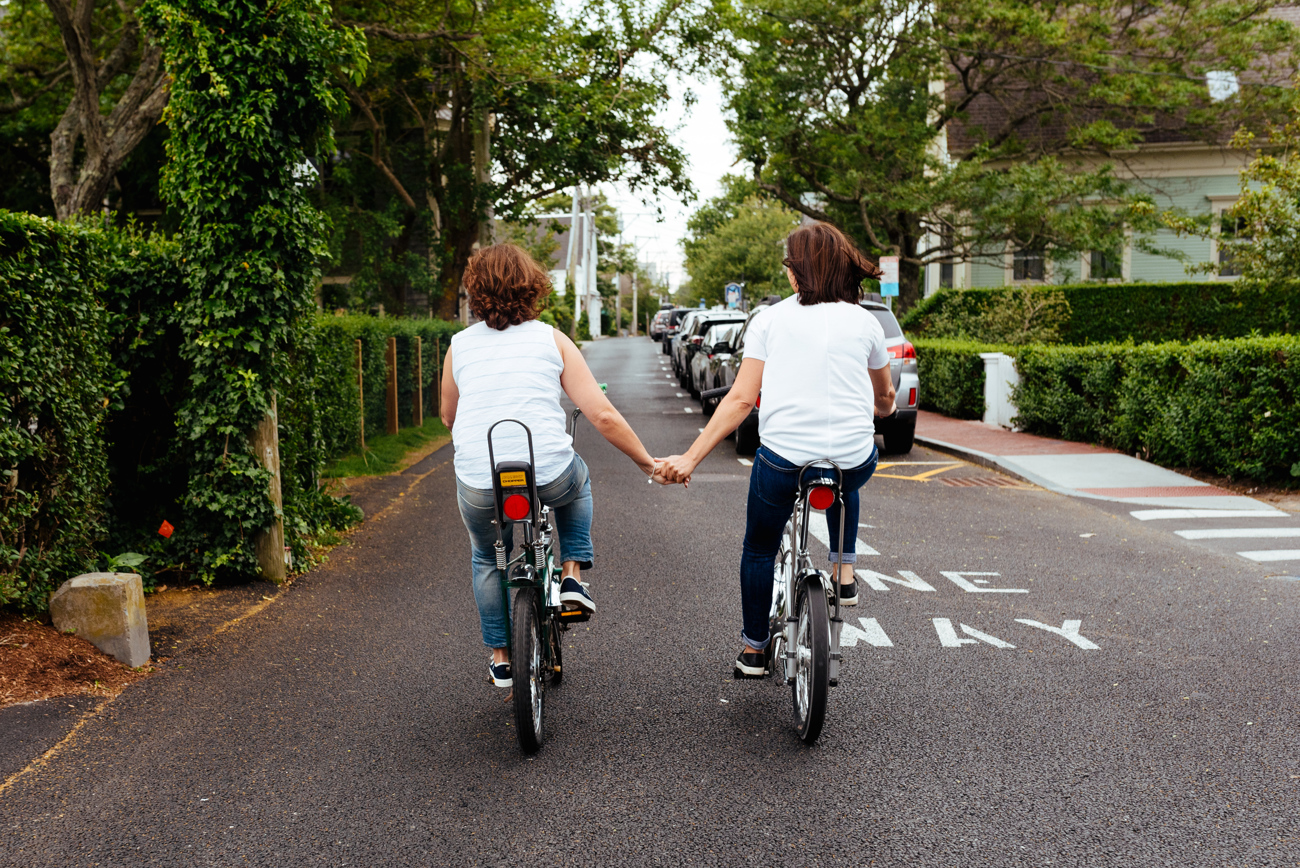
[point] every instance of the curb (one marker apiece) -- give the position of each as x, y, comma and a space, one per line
993, 462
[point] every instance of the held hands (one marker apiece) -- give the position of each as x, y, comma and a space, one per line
674, 469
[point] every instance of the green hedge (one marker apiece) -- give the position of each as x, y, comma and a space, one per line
337, 392
1109, 313
952, 376
1231, 407
55, 383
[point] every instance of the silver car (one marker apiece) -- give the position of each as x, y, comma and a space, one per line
712, 354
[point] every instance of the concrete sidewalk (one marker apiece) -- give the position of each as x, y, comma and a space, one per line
1077, 469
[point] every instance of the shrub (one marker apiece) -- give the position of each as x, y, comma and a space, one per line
1109, 313
952, 376
55, 379
1231, 407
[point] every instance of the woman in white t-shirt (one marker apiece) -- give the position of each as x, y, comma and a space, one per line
820, 361
511, 366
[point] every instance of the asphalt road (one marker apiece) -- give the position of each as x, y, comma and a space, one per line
350, 722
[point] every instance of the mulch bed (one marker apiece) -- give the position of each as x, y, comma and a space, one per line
38, 662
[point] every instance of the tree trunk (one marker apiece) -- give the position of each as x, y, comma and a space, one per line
269, 543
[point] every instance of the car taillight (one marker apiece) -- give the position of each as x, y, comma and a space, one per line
821, 497
905, 350
697, 340
758, 400
516, 507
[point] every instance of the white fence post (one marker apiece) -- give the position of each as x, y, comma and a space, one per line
1000, 375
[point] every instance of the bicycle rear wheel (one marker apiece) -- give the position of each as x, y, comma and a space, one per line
526, 670
812, 660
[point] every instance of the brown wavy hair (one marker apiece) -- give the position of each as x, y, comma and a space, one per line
826, 265
505, 285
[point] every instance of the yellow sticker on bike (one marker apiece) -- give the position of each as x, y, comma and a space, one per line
516, 477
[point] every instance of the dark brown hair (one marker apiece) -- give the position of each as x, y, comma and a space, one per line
504, 285
826, 265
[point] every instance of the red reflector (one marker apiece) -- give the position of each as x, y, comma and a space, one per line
821, 497
909, 351
758, 401
517, 507
911, 397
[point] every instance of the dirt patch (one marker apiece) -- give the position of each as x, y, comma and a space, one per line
178, 617
39, 662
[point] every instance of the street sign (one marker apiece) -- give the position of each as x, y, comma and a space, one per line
733, 295
889, 280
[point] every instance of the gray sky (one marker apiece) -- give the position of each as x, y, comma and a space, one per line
702, 134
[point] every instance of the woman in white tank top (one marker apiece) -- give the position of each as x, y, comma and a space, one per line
510, 366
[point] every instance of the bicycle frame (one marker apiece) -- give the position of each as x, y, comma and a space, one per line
801, 568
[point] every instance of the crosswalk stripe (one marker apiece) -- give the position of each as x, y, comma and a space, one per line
1156, 514
1278, 555
1240, 533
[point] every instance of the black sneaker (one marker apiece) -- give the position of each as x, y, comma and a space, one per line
575, 592
849, 593
751, 664
500, 674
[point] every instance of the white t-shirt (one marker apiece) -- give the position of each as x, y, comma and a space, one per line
817, 399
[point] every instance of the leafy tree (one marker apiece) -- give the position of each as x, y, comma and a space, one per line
832, 105
90, 80
737, 242
471, 109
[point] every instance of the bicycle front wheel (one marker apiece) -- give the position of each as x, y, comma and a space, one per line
812, 660
526, 670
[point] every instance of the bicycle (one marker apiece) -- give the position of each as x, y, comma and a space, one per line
805, 639
537, 617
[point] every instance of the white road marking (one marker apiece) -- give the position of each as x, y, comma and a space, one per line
871, 633
1068, 631
876, 581
1278, 555
679, 394
817, 527
1240, 533
687, 410
959, 579
948, 637
744, 461
701, 430
1156, 514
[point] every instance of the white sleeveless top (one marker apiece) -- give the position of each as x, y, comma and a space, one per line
511, 374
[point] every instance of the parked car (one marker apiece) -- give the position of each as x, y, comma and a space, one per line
690, 338
670, 326
710, 356
659, 325
897, 433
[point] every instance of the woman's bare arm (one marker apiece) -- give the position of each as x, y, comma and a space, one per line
732, 410
449, 395
582, 388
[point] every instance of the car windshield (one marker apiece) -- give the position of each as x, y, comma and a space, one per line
887, 322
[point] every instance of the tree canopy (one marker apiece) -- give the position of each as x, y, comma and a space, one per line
737, 238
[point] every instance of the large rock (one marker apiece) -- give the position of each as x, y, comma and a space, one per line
107, 610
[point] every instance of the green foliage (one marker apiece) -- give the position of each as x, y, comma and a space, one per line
746, 247
384, 453
832, 108
55, 379
952, 376
1231, 407
1106, 313
336, 391
251, 101
584, 327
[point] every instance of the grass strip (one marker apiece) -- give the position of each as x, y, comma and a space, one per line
386, 453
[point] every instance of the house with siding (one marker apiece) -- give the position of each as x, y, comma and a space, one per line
1177, 167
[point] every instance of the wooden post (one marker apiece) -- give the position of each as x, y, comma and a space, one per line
269, 544
437, 376
417, 411
391, 404
361, 398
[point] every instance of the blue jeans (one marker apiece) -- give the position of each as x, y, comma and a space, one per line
568, 496
773, 485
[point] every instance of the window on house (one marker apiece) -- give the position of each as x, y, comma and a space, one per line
1231, 229
1028, 264
945, 275
1105, 264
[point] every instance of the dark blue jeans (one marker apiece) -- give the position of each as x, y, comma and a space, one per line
773, 485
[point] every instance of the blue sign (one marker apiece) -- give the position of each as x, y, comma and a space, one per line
889, 280
733, 295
